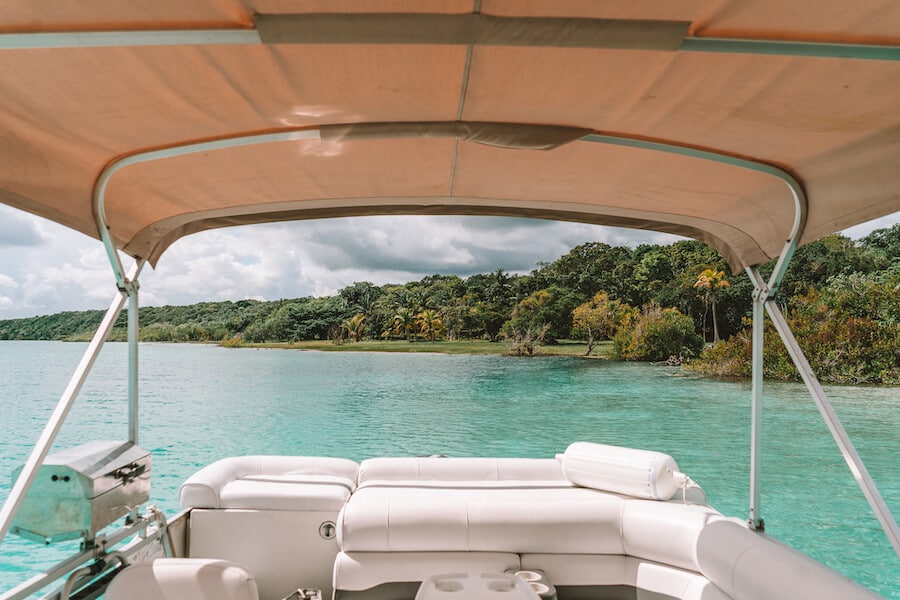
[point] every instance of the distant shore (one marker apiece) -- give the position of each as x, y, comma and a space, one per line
477, 347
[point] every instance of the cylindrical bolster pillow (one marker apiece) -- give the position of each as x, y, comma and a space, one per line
638, 473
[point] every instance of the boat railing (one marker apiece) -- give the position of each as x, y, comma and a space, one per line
100, 558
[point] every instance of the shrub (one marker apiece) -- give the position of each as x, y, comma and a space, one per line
524, 343
547, 313
233, 342
657, 334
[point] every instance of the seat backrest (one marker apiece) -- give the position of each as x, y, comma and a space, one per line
183, 579
290, 482
374, 471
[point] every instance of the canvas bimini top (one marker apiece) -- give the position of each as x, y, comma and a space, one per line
737, 122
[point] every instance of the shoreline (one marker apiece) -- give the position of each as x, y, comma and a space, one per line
571, 348
566, 348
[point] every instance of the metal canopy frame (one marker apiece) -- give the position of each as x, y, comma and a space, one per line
763, 302
763, 298
295, 29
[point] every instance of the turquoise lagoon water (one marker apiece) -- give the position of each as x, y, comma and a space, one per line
202, 403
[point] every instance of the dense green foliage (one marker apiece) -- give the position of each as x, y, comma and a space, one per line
849, 331
657, 334
656, 302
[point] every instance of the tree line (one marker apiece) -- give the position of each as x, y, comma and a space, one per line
655, 302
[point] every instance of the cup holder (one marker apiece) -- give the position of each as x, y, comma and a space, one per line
540, 588
538, 581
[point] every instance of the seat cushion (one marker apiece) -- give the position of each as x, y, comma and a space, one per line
286, 492
272, 482
183, 579
521, 519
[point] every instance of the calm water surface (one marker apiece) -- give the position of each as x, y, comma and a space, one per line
202, 403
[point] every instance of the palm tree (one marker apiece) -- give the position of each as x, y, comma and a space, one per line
405, 322
430, 323
355, 326
711, 282
499, 289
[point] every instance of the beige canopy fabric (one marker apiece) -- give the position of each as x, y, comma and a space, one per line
454, 107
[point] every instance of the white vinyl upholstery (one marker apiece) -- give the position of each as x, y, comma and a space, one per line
411, 518
749, 565
266, 513
664, 579
283, 549
664, 532
401, 520
286, 492
468, 519
272, 482
183, 579
459, 469
579, 569
357, 571
418, 509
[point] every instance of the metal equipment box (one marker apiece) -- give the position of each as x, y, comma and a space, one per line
79, 491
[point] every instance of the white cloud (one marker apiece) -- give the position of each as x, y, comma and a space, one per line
18, 229
864, 229
7, 281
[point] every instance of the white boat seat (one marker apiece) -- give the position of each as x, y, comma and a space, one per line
183, 579
408, 510
273, 514
521, 517
272, 483
733, 558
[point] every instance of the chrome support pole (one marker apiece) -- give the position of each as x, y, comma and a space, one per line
760, 295
133, 339
857, 467
54, 423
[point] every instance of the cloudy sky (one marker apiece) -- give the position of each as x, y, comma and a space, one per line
46, 268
